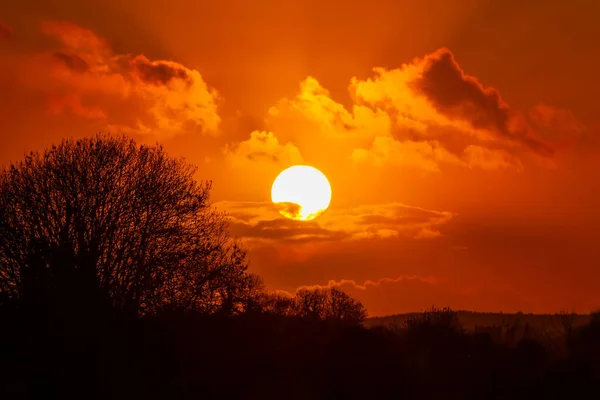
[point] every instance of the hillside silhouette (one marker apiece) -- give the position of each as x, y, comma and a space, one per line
119, 280
549, 325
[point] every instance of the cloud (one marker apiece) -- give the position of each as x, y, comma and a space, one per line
462, 97
434, 90
260, 223
72, 61
459, 96
368, 283
262, 147
314, 102
481, 157
312, 115
429, 155
132, 94
286, 230
72, 103
549, 116
427, 114
426, 155
387, 220
5, 31
160, 73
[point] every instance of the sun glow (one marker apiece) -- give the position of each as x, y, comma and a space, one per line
301, 192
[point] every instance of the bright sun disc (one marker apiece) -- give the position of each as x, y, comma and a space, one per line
301, 192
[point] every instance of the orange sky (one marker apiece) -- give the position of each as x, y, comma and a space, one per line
460, 138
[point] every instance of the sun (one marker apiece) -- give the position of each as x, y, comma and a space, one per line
301, 192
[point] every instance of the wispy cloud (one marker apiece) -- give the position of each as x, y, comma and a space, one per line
260, 222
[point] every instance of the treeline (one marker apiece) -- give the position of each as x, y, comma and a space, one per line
508, 329
265, 355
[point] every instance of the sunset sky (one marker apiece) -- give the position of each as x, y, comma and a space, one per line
460, 138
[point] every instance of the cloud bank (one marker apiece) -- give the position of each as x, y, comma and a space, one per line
82, 75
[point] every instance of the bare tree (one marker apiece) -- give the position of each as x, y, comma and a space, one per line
342, 307
278, 304
311, 303
104, 218
329, 304
437, 320
563, 323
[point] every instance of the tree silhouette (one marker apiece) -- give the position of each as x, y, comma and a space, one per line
563, 323
330, 305
104, 220
435, 322
277, 304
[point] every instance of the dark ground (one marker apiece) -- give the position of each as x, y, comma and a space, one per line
262, 356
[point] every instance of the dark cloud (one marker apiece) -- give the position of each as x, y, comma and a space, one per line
284, 229
260, 221
293, 210
159, 73
258, 155
73, 61
445, 84
460, 96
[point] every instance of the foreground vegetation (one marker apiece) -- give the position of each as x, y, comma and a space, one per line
505, 327
119, 280
263, 355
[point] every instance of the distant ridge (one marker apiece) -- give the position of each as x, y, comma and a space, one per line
470, 320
